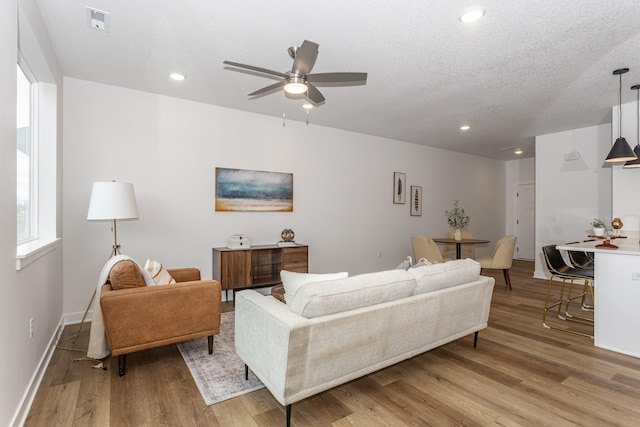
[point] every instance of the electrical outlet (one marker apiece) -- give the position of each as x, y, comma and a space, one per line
31, 322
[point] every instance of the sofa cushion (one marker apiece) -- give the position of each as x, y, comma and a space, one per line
159, 274
292, 281
443, 275
317, 299
126, 274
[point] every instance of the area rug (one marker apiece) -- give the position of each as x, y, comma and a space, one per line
219, 376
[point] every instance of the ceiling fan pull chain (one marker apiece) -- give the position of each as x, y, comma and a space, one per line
284, 111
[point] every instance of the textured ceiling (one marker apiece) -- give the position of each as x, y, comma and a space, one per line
527, 68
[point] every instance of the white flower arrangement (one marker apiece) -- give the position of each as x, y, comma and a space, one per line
457, 217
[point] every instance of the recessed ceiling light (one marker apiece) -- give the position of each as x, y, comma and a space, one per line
518, 151
471, 15
465, 127
177, 76
307, 105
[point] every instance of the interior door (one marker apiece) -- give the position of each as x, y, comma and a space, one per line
526, 207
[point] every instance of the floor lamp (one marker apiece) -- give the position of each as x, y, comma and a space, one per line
110, 201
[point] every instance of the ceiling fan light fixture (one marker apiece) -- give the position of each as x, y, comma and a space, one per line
295, 85
471, 15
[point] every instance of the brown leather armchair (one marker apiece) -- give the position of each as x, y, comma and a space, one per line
146, 317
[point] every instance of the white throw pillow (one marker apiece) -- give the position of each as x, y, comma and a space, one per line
159, 274
292, 281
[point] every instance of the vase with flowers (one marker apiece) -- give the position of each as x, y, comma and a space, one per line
457, 219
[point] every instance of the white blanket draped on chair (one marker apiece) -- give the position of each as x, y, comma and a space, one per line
98, 344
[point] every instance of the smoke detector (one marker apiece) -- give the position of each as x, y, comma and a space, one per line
97, 19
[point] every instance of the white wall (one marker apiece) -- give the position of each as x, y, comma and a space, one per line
36, 291
569, 194
169, 148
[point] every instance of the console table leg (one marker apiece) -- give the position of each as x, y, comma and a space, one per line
475, 339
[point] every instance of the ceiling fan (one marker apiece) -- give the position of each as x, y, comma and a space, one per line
299, 81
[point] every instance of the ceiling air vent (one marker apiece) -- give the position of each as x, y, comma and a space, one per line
97, 19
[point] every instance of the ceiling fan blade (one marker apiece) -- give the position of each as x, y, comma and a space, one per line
259, 69
353, 78
267, 89
305, 58
314, 94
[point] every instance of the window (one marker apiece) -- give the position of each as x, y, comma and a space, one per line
36, 162
26, 212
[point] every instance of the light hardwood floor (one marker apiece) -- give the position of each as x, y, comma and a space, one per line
520, 374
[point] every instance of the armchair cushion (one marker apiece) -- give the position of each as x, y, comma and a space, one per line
160, 274
126, 274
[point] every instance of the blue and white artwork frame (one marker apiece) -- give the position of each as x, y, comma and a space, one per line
240, 190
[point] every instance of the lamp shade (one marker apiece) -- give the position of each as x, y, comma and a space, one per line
620, 152
112, 200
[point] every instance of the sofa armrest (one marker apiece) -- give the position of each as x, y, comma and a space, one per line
264, 329
146, 317
189, 274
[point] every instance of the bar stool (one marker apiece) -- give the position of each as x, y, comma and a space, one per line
568, 275
585, 263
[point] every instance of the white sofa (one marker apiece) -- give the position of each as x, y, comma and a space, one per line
334, 331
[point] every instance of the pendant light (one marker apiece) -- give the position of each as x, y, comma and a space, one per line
636, 163
620, 152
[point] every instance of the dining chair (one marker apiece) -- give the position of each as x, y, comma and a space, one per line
501, 257
449, 249
567, 275
424, 247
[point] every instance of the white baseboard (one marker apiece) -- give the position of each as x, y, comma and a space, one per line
20, 417
75, 318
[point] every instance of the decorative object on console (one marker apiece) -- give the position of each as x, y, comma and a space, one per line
239, 190
238, 241
636, 163
620, 152
287, 235
112, 201
399, 184
457, 219
416, 200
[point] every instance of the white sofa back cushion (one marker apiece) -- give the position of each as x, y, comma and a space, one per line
327, 297
443, 275
292, 281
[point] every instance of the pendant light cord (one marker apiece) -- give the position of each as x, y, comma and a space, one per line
620, 108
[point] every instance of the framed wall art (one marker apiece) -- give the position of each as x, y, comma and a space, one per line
399, 188
239, 190
416, 200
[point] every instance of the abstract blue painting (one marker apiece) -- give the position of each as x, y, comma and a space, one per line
239, 190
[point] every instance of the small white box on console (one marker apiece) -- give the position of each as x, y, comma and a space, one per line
238, 241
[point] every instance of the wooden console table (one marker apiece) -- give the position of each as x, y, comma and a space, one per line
257, 266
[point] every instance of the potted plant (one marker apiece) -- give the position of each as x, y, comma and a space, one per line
598, 227
457, 219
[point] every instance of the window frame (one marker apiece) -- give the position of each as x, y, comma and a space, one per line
33, 156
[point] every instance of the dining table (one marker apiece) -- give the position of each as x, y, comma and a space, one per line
460, 242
